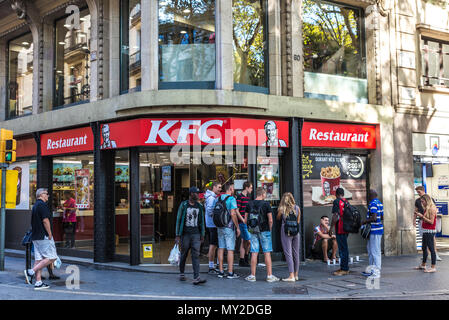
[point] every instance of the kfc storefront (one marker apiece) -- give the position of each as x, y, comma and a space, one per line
116, 186
335, 155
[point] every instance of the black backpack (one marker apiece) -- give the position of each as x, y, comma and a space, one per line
220, 213
352, 220
291, 225
255, 218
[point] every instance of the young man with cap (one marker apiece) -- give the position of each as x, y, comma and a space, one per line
190, 231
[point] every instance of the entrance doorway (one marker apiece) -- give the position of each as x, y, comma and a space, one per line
163, 187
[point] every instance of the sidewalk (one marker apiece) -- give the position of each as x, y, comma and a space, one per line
398, 281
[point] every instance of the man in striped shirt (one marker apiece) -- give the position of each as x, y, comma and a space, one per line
375, 217
242, 201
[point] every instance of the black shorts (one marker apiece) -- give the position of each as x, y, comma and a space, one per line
213, 236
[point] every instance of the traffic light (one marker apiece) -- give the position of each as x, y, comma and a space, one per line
7, 146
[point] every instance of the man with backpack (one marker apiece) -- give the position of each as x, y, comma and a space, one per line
225, 218
211, 199
259, 218
190, 232
342, 236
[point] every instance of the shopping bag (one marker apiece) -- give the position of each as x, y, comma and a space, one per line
174, 255
57, 263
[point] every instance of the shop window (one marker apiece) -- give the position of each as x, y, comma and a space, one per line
130, 35
435, 62
334, 52
250, 52
20, 76
72, 61
186, 44
73, 202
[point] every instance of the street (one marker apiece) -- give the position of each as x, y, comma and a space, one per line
398, 281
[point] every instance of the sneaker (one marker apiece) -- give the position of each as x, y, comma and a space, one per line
199, 281
367, 274
28, 277
233, 276
221, 274
272, 278
213, 271
251, 278
41, 286
438, 258
182, 277
289, 279
341, 273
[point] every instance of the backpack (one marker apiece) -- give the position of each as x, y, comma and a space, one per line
291, 225
220, 213
255, 219
351, 218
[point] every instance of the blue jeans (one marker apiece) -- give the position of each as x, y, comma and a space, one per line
374, 251
342, 241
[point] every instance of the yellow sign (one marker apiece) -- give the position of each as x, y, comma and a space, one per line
12, 177
147, 250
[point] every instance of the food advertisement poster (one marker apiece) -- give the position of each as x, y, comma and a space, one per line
323, 173
121, 173
82, 177
65, 172
166, 178
268, 176
23, 185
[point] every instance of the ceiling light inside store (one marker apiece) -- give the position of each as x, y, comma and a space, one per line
183, 31
186, 11
85, 48
25, 43
61, 43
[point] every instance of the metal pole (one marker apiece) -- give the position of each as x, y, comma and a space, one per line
2, 222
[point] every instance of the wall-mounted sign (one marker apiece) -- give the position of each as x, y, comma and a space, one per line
147, 250
82, 191
431, 145
323, 173
338, 135
69, 141
200, 131
268, 176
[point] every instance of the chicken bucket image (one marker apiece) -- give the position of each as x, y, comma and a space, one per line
330, 180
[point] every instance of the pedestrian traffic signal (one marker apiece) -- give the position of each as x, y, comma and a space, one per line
7, 146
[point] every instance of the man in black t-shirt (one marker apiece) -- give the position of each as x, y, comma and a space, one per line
42, 237
264, 236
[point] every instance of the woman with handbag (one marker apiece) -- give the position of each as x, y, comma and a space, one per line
289, 214
429, 231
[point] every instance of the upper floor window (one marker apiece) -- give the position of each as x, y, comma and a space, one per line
249, 19
72, 60
334, 52
435, 62
130, 30
20, 76
186, 44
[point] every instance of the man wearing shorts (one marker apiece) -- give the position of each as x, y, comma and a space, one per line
263, 237
211, 199
43, 242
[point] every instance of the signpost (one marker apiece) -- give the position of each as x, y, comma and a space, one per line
7, 156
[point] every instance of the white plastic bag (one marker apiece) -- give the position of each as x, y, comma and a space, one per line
57, 263
174, 255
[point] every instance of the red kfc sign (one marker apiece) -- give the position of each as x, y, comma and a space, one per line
202, 131
337, 135
76, 140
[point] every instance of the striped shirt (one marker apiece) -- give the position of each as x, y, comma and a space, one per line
375, 206
242, 202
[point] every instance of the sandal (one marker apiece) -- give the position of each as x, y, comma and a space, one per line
430, 270
420, 267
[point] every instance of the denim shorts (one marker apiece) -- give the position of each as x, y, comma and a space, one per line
265, 240
226, 239
244, 232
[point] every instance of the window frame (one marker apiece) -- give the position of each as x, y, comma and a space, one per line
241, 87
55, 21
424, 51
7, 110
189, 85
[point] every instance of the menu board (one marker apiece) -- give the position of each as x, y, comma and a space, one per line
268, 176
82, 190
166, 178
323, 173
